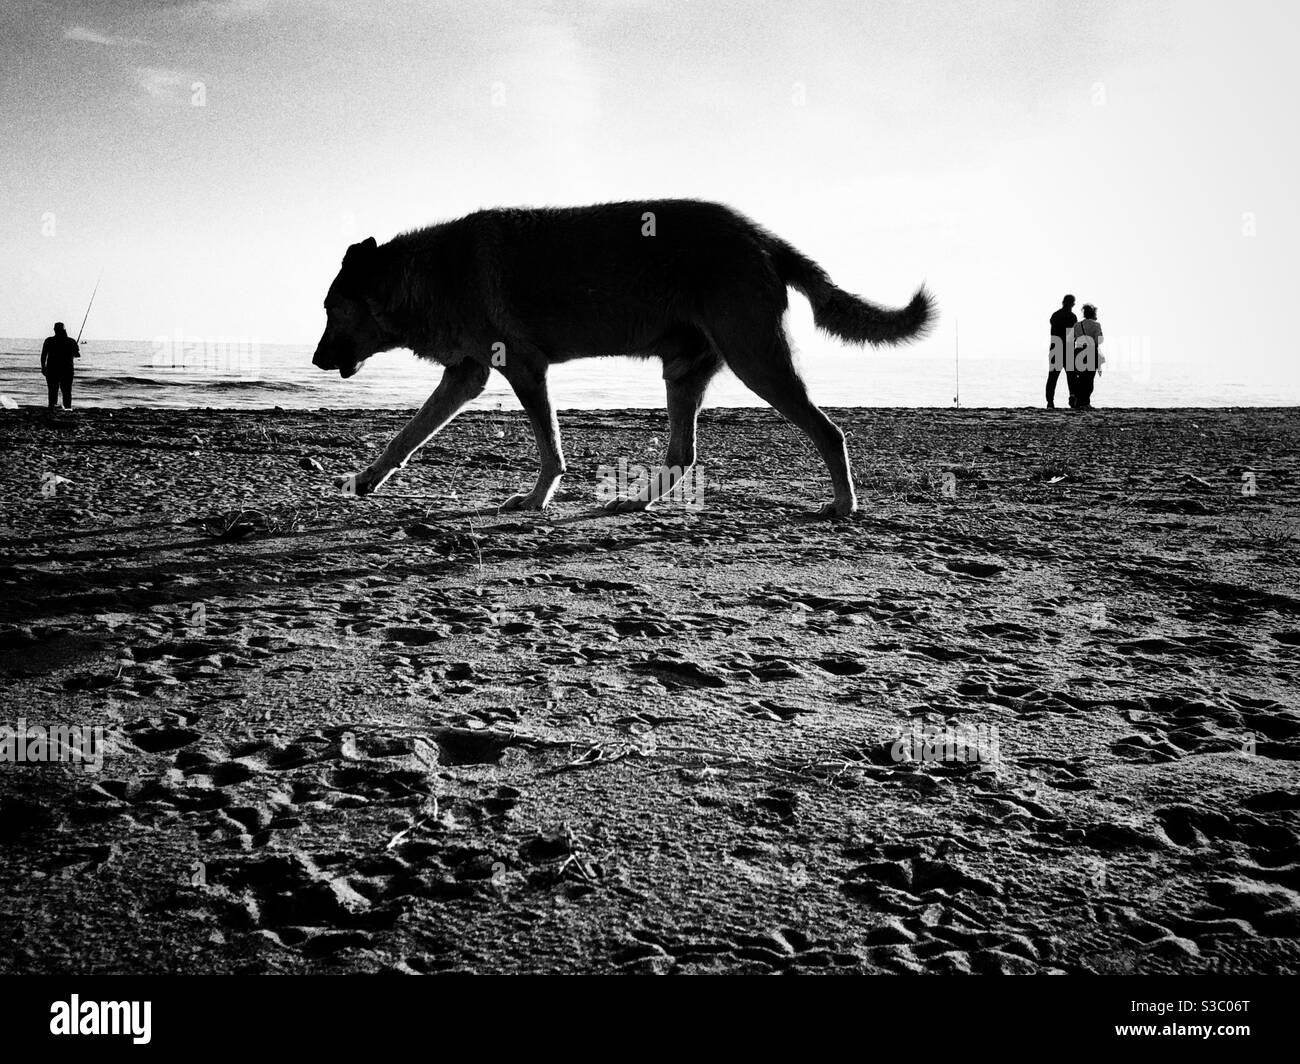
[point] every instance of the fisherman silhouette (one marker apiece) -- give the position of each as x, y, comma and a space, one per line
1061, 323
57, 354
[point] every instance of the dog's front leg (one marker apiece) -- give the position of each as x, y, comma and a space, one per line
527, 376
460, 383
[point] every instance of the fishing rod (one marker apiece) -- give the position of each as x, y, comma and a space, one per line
956, 361
89, 305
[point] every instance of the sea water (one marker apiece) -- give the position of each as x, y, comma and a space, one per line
243, 374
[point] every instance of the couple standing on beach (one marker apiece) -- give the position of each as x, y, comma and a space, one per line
1076, 348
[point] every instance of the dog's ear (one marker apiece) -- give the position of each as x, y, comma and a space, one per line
357, 275
361, 254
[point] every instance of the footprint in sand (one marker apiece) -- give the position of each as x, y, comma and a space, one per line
971, 567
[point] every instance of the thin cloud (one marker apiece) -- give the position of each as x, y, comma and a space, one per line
109, 40
222, 9
159, 82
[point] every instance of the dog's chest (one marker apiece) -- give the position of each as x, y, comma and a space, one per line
433, 354
450, 345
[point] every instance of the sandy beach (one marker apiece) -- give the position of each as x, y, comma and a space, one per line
412, 734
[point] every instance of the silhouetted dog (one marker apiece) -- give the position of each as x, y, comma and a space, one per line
695, 284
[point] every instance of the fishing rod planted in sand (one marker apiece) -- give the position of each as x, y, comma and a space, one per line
956, 362
89, 305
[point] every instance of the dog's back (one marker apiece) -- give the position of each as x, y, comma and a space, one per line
607, 279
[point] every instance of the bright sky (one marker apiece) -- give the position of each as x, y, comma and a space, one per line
215, 157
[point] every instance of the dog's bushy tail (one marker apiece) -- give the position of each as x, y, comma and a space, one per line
848, 316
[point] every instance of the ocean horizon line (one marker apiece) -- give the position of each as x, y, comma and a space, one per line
486, 411
191, 372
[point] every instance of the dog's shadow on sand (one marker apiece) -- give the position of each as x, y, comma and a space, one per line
50, 594
136, 586
793, 512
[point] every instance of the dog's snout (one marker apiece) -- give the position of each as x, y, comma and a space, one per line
330, 358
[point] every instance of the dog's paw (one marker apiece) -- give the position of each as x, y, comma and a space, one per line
836, 508
525, 500
625, 506
352, 484
358, 485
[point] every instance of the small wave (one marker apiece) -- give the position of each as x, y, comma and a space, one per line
265, 386
190, 384
123, 382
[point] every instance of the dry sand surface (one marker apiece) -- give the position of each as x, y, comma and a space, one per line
412, 734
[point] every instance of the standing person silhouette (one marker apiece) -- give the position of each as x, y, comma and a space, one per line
1087, 358
1061, 323
57, 354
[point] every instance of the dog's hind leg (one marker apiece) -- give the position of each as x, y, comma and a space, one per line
460, 383
767, 369
527, 376
687, 379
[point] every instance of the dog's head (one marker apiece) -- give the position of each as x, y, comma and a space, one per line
352, 331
